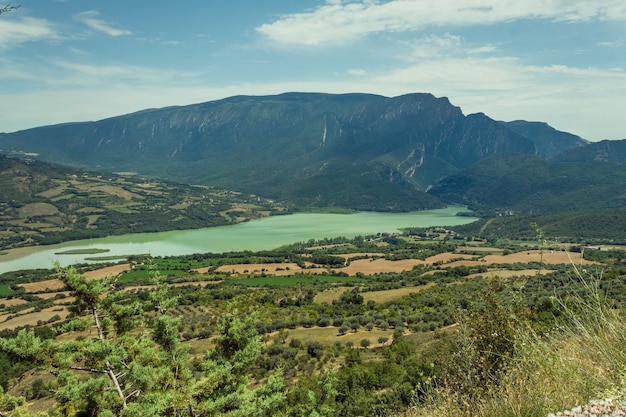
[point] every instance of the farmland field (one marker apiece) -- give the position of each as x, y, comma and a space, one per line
292, 280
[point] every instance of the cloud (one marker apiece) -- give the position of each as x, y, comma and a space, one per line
27, 29
432, 46
90, 18
504, 88
343, 21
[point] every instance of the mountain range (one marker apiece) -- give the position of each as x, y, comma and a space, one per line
358, 151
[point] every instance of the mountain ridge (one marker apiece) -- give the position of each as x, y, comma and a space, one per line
360, 151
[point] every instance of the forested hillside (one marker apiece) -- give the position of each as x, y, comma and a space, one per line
530, 184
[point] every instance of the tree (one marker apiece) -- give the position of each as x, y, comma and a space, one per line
223, 389
131, 361
126, 373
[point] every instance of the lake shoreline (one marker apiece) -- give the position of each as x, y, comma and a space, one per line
262, 234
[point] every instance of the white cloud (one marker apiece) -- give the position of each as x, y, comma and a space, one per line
585, 101
338, 21
90, 18
27, 29
432, 46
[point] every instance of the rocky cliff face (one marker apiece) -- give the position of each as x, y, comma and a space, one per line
298, 146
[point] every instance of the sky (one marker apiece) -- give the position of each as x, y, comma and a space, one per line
562, 62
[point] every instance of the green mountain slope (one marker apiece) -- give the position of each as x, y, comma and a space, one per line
549, 141
594, 226
524, 183
354, 150
613, 151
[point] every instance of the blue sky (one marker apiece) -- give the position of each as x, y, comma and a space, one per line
558, 61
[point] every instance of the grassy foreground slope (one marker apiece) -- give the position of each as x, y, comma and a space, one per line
577, 363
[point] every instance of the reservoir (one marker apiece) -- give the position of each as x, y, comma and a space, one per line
267, 233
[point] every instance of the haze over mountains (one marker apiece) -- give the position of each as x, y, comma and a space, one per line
358, 151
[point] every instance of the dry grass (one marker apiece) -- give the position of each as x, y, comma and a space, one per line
116, 191
38, 209
272, 269
49, 295
391, 295
378, 266
376, 263
537, 256
584, 359
330, 295
43, 286
113, 271
507, 273
329, 335
448, 257
31, 318
12, 302
383, 296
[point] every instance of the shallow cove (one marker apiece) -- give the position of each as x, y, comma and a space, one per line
267, 233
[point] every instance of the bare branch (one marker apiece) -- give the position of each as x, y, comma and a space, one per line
8, 8
110, 369
97, 371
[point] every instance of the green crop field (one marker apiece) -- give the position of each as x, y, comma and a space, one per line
5, 290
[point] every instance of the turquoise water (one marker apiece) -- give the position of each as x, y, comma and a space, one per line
267, 233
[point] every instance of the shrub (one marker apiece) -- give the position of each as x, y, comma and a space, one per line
295, 343
315, 349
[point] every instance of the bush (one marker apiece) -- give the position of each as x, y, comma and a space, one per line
295, 343
315, 349
580, 359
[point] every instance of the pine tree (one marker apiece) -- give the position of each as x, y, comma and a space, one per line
128, 360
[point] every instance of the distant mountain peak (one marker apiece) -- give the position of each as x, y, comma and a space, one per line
549, 141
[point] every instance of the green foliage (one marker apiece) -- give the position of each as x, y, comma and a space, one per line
5, 290
602, 225
122, 370
351, 297
579, 360
529, 184
480, 356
